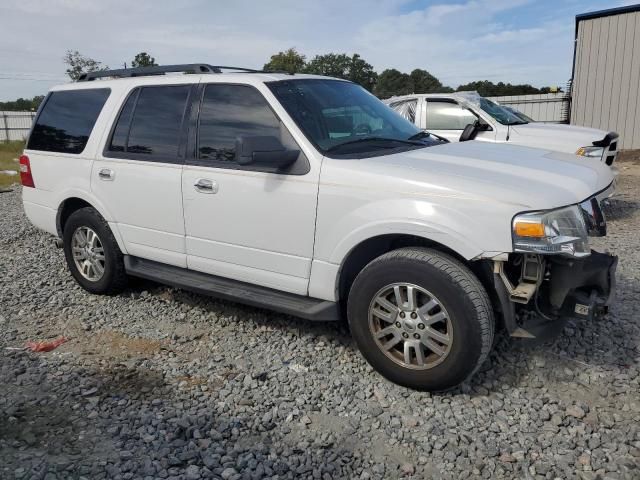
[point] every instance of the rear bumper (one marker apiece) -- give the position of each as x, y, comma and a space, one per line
40, 216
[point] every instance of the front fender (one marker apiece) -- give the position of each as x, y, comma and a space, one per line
448, 225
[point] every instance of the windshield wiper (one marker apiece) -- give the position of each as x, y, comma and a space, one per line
373, 139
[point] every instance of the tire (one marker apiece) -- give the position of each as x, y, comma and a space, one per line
113, 277
459, 326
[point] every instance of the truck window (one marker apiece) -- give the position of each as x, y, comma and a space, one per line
447, 115
67, 118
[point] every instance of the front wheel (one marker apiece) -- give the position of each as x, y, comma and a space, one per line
421, 318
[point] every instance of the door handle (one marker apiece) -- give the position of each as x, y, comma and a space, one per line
106, 174
204, 185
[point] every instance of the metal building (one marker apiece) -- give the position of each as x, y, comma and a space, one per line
605, 90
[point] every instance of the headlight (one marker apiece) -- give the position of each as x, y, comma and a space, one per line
591, 152
561, 231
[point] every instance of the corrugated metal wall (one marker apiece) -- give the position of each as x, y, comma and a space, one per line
542, 107
606, 82
15, 125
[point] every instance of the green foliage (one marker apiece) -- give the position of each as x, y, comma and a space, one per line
22, 104
490, 89
79, 64
341, 65
424, 82
143, 59
393, 82
288, 61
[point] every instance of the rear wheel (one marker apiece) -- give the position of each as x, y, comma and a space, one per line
421, 318
92, 253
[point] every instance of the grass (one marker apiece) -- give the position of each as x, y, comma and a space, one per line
9, 153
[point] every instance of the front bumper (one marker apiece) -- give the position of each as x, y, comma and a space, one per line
582, 288
565, 288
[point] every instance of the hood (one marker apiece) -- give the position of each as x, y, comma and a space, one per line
527, 178
559, 137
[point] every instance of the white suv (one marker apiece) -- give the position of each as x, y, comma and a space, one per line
308, 196
448, 114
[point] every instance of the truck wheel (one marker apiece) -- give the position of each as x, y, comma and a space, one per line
421, 318
92, 253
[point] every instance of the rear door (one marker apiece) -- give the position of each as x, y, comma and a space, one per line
242, 221
138, 175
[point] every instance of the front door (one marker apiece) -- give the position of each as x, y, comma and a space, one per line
243, 222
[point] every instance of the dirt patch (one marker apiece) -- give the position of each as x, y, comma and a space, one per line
115, 345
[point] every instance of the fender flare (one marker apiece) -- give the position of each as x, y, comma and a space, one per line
95, 203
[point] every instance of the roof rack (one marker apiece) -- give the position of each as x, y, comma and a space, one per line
162, 69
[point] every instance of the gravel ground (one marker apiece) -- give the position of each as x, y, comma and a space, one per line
162, 383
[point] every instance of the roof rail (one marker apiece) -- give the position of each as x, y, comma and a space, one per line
162, 69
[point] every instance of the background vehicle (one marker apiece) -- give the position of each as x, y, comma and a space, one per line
447, 115
308, 196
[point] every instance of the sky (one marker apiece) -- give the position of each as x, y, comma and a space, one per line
517, 41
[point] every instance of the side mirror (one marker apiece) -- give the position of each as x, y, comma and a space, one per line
469, 132
265, 151
483, 127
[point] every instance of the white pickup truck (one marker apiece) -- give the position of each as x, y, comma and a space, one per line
308, 196
448, 114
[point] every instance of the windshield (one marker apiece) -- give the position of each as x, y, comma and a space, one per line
343, 118
500, 113
518, 113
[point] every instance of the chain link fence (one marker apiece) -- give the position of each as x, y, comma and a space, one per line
15, 125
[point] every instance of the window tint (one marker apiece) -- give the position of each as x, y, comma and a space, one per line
155, 127
447, 116
120, 133
345, 121
67, 119
228, 112
406, 108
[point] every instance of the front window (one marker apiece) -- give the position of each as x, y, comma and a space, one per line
342, 118
500, 113
448, 115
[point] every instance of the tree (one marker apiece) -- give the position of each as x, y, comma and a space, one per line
424, 82
79, 64
288, 61
341, 65
490, 89
143, 59
393, 82
22, 104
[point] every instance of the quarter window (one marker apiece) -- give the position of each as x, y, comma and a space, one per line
442, 115
406, 108
67, 119
228, 112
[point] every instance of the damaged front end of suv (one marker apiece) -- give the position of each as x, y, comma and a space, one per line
553, 274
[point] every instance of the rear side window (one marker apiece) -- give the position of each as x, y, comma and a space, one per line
67, 119
150, 122
406, 108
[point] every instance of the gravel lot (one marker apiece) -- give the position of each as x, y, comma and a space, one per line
161, 383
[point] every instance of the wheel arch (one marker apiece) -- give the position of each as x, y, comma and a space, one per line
75, 202
367, 250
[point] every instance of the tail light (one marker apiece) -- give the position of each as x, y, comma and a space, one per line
25, 172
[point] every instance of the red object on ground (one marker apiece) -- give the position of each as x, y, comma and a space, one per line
46, 346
